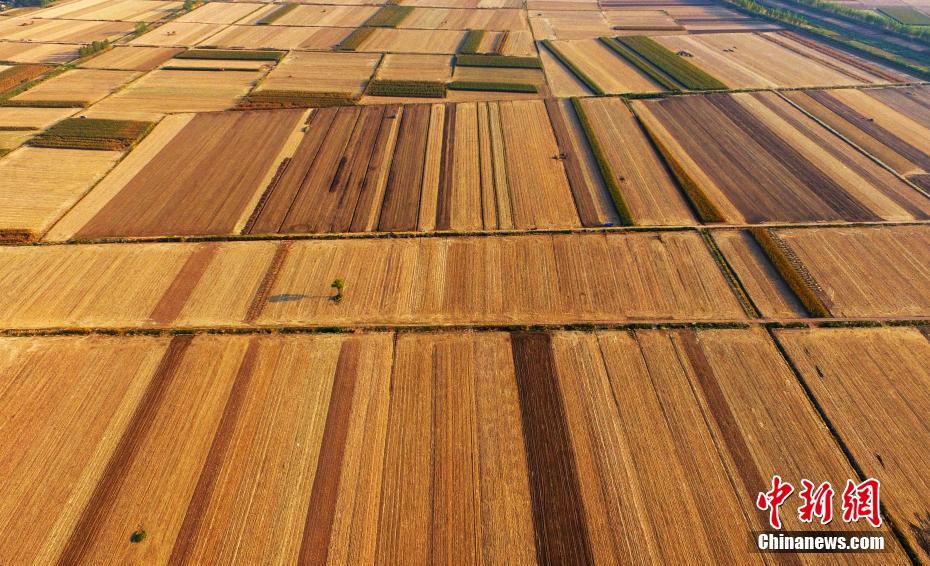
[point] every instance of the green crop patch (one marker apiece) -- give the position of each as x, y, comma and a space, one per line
20, 74
273, 16
269, 99
497, 61
389, 16
231, 54
906, 15
355, 39
413, 89
680, 70
492, 86
472, 41
91, 133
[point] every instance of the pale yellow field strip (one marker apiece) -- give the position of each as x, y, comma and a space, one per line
404, 67
124, 57
84, 85
219, 13
322, 72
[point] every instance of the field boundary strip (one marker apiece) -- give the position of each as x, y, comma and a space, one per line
733, 280
457, 234
658, 324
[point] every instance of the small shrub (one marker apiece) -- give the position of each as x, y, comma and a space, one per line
94, 47
338, 285
137, 536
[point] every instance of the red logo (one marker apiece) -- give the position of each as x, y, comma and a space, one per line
860, 501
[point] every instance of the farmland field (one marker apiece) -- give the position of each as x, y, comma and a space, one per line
642, 276
463, 281
872, 384
809, 174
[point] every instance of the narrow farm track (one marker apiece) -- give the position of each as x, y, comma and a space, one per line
456, 282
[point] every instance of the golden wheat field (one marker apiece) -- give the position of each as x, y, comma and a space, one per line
551, 282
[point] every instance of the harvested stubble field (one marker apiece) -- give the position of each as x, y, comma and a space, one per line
27, 29
322, 16
302, 71
753, 158
751, 60
277, 37
568, 24
219, 13
872, 385
468, 166
180, 192
47, 53
35, 189
407, 281
899, 140
178, 34
346, 449
603, 70
130, 58
868, 272
402, 67
163, 91
122, 10
84, 85
469, 19
388, 40
646, 186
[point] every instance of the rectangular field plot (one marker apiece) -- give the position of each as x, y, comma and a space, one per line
569, 24
277, 37
23, 28
219, 13
604, 68
897, 138
320, 16
35, 189
37, 52
872, 384
163, 91
403, 67
749, 60
122, 10
301, 71
508, 447
78, 85
867, 272
443, 18
204, 179
483, 166
178, 34
127, 58
387, 40
753, 158
575, 278
647, 187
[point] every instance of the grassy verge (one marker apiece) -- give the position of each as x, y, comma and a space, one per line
793, 271
268, 99
231, 55
413, 89
388, 16
492, 86
640, 63
472, 42
675, 66
45, 103
273, 16
80, 133
355, 39
610, 180
582, 76
497, 61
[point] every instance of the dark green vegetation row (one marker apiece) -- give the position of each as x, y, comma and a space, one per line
416, 89
791, 269
675, 66
388, 16
472, 41
497, 61
89, 133
231, 55
582, 76
613, 187
355, 39
273, 16
492, 86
